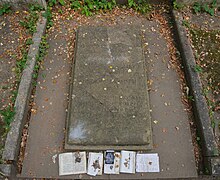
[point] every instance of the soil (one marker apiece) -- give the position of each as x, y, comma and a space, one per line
204, 33
12, 38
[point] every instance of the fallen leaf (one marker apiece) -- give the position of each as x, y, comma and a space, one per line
164, 130
177, 128
155, 121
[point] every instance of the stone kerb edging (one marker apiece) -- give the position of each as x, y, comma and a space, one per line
12, 144
200, 109
190, 2
17, 3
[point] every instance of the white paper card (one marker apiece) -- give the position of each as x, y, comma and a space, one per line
72, 163
95, 164
111, 162
147, 163
127, 163
117, 162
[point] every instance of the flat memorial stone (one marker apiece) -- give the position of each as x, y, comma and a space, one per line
109, 104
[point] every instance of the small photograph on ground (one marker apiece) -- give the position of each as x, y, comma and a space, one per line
109, 158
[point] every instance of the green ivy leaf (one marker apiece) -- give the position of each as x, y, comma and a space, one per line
62, 2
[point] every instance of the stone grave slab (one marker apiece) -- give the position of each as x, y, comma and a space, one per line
109, 103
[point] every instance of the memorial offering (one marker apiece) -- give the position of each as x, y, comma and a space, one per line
95, 164
111, 162
147, 163
127, 163
72, 163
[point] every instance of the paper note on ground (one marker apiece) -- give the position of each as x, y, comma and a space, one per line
147, 163
111, 162
72, 163
117, 162
127, 163
95, 164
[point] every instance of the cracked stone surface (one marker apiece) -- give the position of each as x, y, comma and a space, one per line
109, 104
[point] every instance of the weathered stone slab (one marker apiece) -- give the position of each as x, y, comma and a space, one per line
109, 103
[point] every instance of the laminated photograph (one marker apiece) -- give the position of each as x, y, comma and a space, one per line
147, 163
72, 163
111, 162
127, 163
95, 164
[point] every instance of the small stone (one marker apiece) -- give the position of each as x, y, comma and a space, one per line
129, 70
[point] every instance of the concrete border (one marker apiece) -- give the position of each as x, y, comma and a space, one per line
13, 140
200, 109
18, 3
190, 2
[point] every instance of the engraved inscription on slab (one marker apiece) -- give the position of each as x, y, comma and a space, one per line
109, 98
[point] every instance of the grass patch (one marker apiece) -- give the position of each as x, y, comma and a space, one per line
8, 115
5, 9
42, 52
177, 5
30, 21
199, 7
48, 15
89, 7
